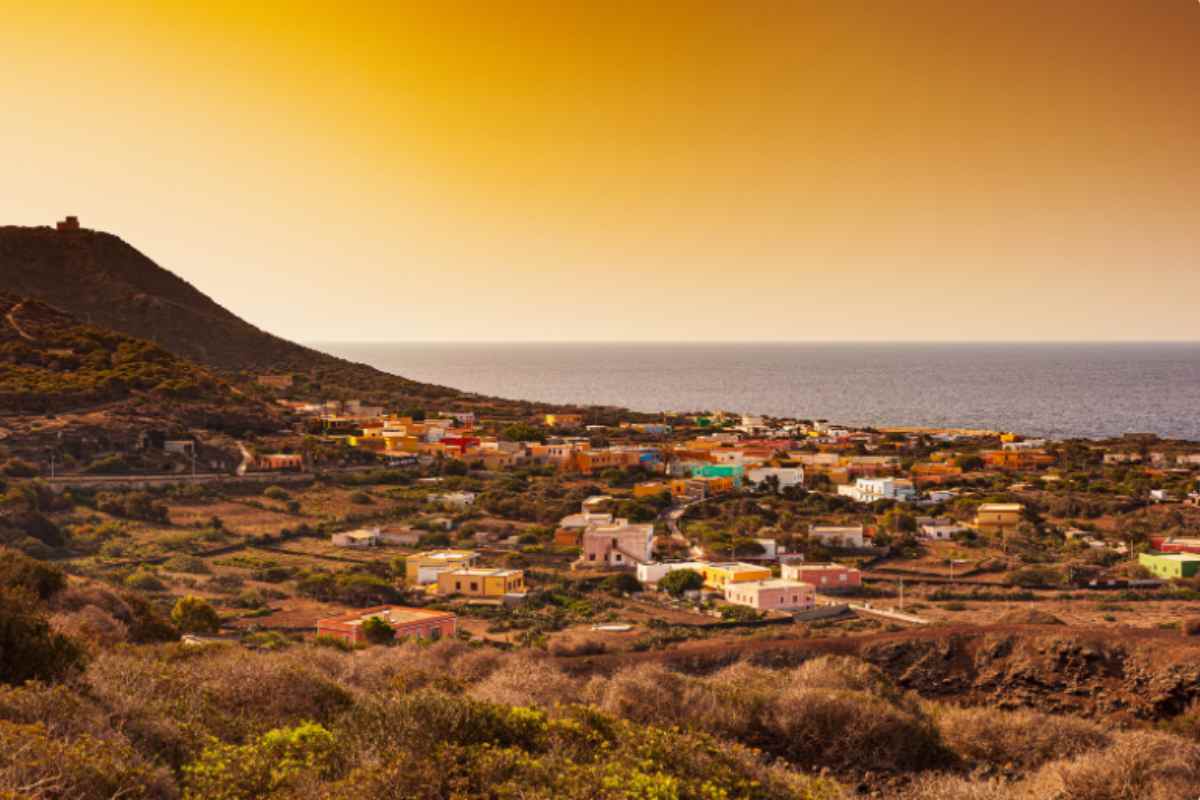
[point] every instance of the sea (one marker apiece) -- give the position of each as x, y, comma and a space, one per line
1090, 390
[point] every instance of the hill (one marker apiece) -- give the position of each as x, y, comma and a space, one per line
90, 390
101, 279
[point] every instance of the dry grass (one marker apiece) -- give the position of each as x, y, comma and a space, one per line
1024, 739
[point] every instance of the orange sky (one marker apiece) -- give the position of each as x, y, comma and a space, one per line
843, 169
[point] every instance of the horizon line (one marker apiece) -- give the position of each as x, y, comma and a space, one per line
1196, 342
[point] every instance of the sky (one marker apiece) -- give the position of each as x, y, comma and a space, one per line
928, 170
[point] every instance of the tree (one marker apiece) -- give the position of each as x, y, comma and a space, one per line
378, 630
679, 581
622, 583
193, 614
521, 432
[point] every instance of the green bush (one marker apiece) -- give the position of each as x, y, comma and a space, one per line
193, 614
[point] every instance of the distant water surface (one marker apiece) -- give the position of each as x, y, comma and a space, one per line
1060, 390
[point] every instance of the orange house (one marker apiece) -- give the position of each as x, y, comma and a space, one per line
1017, 459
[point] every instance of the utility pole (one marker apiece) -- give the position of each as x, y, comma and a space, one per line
902, 594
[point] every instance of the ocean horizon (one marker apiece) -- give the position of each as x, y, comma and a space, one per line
1055, 389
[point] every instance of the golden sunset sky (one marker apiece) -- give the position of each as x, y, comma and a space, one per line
833, 170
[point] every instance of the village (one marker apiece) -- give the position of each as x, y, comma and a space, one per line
582, 536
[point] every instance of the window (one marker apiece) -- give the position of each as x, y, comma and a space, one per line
474, 586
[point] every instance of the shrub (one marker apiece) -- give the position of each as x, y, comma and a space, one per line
378, 630
144, 580
39, 579
262, 767
677, 582
622, 583
1190, 627
36, 765
189, 564
276, 493
360, 498
193, 614
1022, 738
29, 649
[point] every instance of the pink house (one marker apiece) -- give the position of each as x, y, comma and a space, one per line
823, 576
772, 595
419, 623
618, 545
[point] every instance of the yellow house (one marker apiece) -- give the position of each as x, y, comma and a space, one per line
650, 489
493, 583
997, 518
564, 420
422, 569
716, 576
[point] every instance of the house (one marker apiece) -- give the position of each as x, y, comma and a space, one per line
68, 225
837, 535
486, 583
824, 577
597, 503
1122, 457
571, 528
870, 490
564, 420
423, 569
401, 536
1171, 566
786, 476
939, 529
1172, 544
687, 489
280, 462
1017, 459
652, 572
733, 472
418, 623
771, 595
934, 473
359, 538
620, 544
998, 518
717, 576
650, 489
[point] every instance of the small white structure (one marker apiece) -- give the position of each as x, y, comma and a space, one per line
837, 535
359, 538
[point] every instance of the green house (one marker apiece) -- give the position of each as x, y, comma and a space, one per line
1171, 566
735, 471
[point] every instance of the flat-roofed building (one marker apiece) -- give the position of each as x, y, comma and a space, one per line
418, 623
825, 577
718, 576
771, 595
482, 582
837, 535
422, 569
998, 518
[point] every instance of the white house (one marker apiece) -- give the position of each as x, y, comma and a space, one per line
787, 476
654, 571
837, 535
358, 538
939, 529
870, 490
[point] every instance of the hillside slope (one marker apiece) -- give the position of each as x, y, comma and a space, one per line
104, 281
